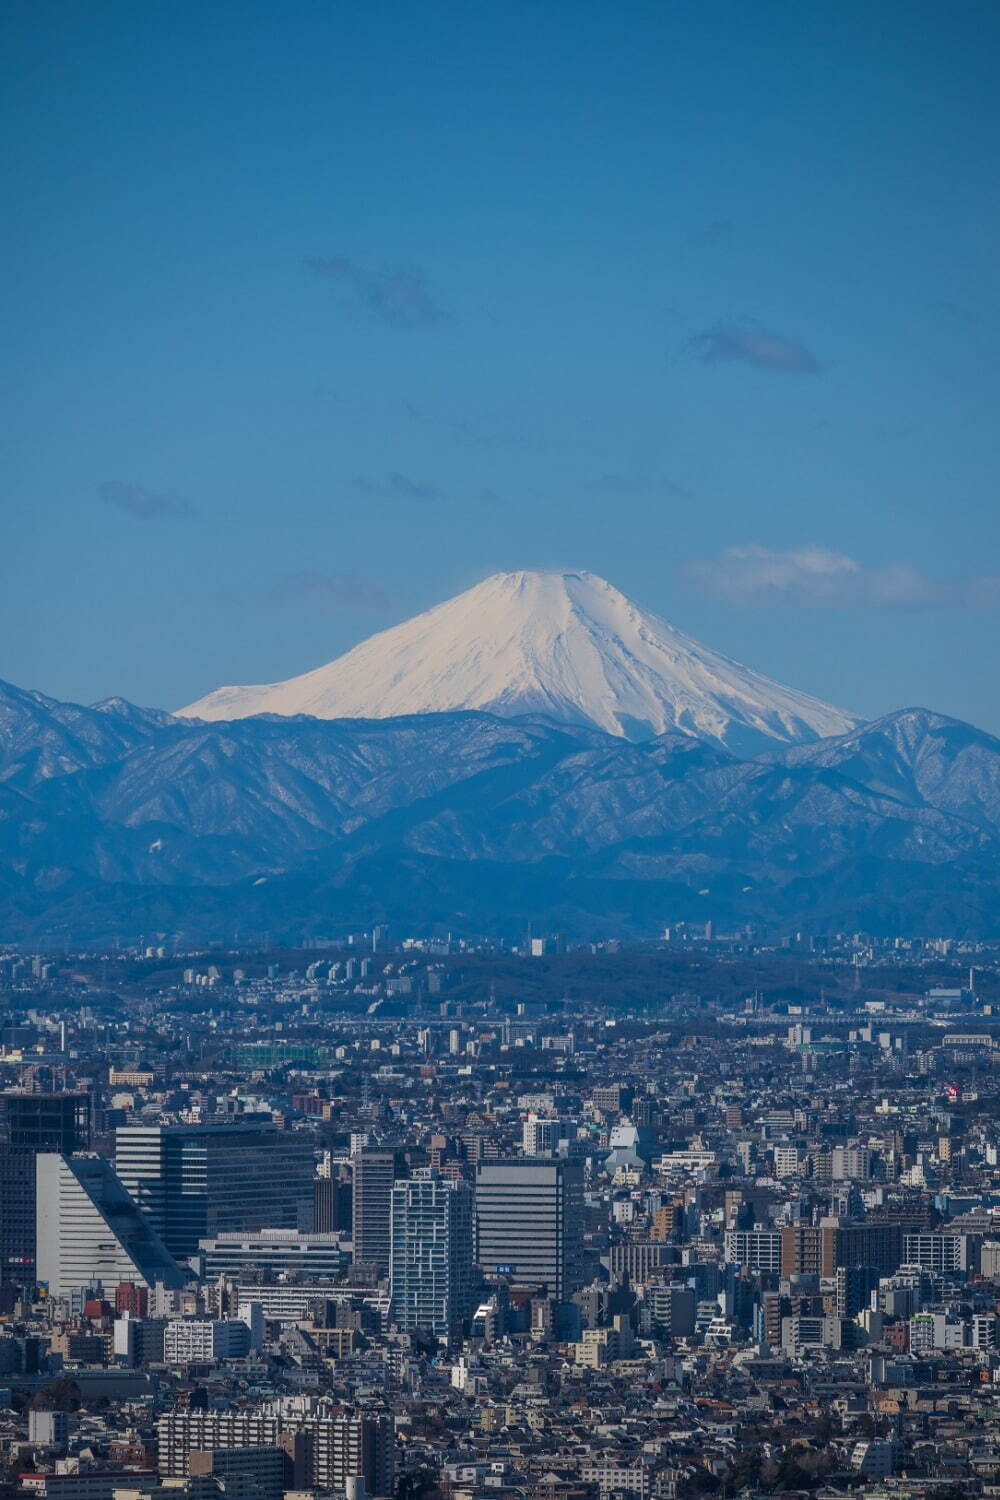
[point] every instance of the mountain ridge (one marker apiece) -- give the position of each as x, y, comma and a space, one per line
475, 821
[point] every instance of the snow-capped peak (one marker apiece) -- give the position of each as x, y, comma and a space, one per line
567, 645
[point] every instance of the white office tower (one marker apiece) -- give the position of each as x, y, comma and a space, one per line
90, 1230
539, 1136
529, 1222
430, 1263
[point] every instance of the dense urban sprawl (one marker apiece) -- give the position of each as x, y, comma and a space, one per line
432, 1220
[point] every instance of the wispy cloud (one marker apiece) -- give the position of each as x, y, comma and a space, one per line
715, 233
471, 434
147, 505
730, 343
960, 312
396, 486
330, 591
395, 296
816, 576
625, 486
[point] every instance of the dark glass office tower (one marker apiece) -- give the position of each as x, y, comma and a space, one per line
197, 1181
31, 1124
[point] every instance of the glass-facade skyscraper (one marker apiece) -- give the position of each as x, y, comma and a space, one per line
29, 1125
195, 1182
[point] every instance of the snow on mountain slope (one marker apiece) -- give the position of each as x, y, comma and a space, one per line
567, 645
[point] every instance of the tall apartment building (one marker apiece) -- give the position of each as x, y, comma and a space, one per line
338, 1447
787, 1161
818, 1249
181, 1432
260, 1473
89, 1229
636, 1259
854, 1287
375, 1172
942, 1252
529, 1222
540, 1136
197, 1181
203, 1341
869, 1243
669, 1306
929, 1331
757, 1249
665, 1220
851, 1161
613, 1098
327, 1450
29, 1124
800, 1250
430, 1262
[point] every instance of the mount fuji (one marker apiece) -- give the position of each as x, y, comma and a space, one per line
568, 646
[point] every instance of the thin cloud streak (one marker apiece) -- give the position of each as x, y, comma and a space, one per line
814, 576
330, 591
397, 486
626, 486
134, 499
471, 435
716, 233
396, 297
728, 343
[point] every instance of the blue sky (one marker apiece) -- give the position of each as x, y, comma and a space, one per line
317, 313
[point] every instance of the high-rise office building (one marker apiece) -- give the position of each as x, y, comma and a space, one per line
90, 1231
331, 1206
430, 1266
375, 1171
325, 1204
45, 1122
529, 1222
30, 1123
197, 1181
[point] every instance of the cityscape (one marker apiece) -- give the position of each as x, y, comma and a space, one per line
500, 750
432, 1218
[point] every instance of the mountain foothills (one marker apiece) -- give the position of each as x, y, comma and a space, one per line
116, 820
